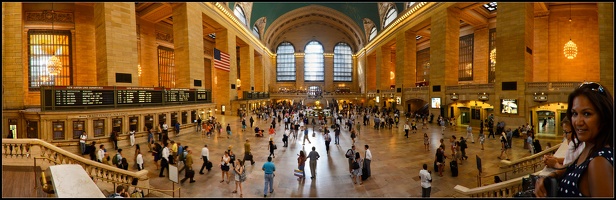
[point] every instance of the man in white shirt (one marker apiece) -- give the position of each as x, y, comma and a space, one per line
164, 161
82, 142
367, 160
406, 129
139, 161
132, 137
101, 153
426, 181
165, 128
205, 154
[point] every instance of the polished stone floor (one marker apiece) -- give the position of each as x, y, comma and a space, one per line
395, 165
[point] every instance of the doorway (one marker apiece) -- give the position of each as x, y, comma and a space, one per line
465, 118
546, 122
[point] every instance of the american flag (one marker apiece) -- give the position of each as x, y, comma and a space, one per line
221, 60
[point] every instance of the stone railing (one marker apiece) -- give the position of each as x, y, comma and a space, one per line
509, 187
22, 152
528, 163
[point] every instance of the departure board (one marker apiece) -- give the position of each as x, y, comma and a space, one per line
178, 95
137, 95
202, 95
80, 96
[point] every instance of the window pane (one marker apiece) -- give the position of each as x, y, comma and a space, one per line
166, 67
343, 62
372, 33
285, 62
423, 65
239, 13
255, 31
465, 67
391, 15
314, 69
492, 57
42, 46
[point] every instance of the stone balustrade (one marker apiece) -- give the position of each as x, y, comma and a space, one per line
23, 152
509, 187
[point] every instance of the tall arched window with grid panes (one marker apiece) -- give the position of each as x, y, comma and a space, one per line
314, 68
239, 13
391, 15
465, 62
43, 46
343, 63
166, 67
492, 56
285, 62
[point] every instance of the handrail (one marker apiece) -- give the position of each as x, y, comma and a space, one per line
508, 188
15, 149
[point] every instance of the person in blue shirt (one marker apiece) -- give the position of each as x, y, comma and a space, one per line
269, 169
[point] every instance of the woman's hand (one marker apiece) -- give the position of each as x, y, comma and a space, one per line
550, 161
540, 188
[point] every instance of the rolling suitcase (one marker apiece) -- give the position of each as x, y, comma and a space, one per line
454, 168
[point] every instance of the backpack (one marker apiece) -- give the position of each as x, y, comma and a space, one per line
115, 160
349, 153
136, 194
113, 195
355, 165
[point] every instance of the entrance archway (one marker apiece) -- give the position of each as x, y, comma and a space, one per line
417, 106
469, 113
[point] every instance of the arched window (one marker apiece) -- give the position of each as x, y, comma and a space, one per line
410, 4
372, 33
391, 15
314, 69
255, 31
285, 62
239, 13
343, 62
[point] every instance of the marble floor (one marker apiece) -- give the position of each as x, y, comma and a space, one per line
395, 165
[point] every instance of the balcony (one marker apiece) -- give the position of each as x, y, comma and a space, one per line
551, 87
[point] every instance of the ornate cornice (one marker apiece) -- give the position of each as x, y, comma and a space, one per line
166, 37
48, 16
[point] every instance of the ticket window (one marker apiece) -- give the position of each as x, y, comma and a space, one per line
184, 117
116, 125
78, 128
58, 130
174, 118
133, 123
193, 116
32, 127
149, 122
99, 127
12, 128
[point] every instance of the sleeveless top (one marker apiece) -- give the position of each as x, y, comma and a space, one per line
569, 184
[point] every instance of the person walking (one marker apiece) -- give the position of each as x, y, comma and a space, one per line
414, 126
114, 139
482, 137
426, 142
314, 156
358, 128
205, 154
305, 135
504, 146
426, 181
350, 157
268, 168
189, 173
82, 142
406, 129
301, 164
463, 147
328, 139
240, 176
252, 121
228, 131
353, 136
150, 140
247, 154
337, 135
101, 153
164, 162
440, 159
139, 160
243, 124
469, 133
271, 147
131, 135
367, 160
92, 151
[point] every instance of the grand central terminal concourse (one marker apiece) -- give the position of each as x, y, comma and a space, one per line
295, 100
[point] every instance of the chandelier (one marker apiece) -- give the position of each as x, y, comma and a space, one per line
493, 56
54, 65
570, 49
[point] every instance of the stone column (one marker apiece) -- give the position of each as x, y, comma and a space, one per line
188, 44
84, 72
481, 54
225, 42
541, 72
247, 70
406, 56
515, 63
149, 54
329, 84
606, 45
299, 72
116, 42
444, 52
14, 80
259, 79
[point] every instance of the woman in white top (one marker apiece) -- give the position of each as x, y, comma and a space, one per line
239, 170
426, 142
139, 161
572, 152
224, 166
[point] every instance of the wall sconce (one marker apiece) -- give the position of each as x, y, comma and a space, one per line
483, 96
392, 75
454, 96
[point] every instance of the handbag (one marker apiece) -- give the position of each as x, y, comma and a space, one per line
528, 186
243, 176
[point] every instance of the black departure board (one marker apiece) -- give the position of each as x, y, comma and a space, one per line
80, 96
87, 97
137, 95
